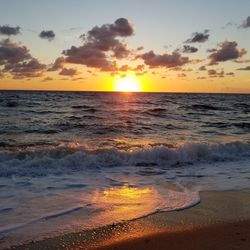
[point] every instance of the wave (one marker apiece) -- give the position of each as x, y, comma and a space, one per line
156, 111
240, 125
208, 107
65, 159
11, 104
243, 125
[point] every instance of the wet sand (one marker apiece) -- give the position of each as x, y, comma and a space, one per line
222, 237
220, 221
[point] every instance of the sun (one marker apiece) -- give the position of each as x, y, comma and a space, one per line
129, 83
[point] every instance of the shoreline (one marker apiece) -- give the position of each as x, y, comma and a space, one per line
223, 213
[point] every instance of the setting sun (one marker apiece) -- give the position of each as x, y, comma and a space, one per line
129, 83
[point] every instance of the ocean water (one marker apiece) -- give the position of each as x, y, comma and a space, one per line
71, 161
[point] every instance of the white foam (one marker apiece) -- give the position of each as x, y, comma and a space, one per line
67, 159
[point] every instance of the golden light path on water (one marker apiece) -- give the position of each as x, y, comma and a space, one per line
125, 203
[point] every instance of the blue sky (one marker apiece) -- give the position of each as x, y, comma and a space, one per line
158, 23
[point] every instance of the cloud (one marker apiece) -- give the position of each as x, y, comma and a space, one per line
245, 68
227, 25
17, 61
189, 49
31, 68
246, 23
139, 67
68, 72
89, 56
181, 75
99, 43
9, 31
58, 64
138, 70
225, 52
196, 61
211, 50
165, 60
124, 68
12, 52
202, 68
215, 73
78, 79
230, 74
46, 79
140, 48
242, 61
122, 27
198, 37
47, 34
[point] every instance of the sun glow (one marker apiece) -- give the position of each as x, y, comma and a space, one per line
129, 83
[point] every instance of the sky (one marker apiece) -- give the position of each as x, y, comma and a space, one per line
132, 45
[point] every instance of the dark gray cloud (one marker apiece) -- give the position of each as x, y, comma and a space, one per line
165, 60
246, 23
89, 56
58, 64
245, 68
225, 52
124, 68
139, 67
122, 27
140, 48
9, 31
182, 75
100, 45
47, 34
16, 60
31, 68
189, 49
198, 37
211, 50
12, 52
68, 72
215, 73
202, 68
48, 78
230, 74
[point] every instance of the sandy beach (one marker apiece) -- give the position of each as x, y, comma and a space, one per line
222, 236
220, 221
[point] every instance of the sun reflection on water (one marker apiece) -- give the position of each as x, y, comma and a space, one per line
125, 203
127, 193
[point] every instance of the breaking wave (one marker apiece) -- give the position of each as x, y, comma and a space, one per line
63, 159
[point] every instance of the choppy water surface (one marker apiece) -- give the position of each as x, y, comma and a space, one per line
72, 160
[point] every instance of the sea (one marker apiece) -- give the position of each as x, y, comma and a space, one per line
71, 161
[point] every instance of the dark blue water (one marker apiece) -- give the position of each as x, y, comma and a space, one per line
100, 119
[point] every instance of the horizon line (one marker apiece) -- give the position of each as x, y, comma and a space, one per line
132, 92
